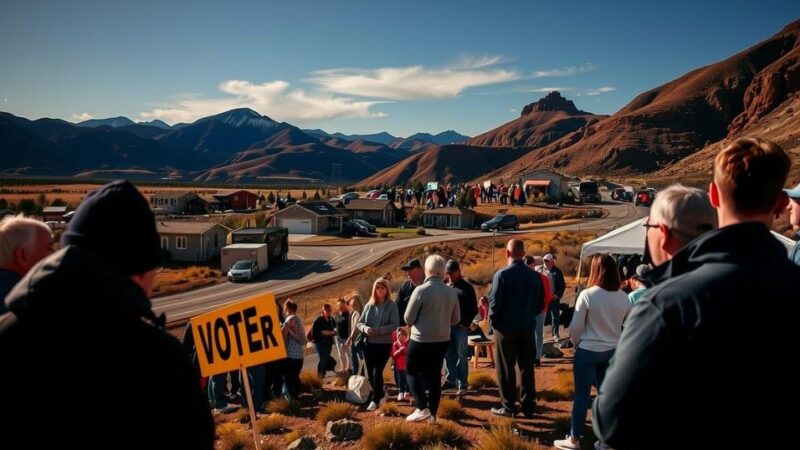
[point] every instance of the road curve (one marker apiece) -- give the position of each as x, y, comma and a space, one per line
309, 265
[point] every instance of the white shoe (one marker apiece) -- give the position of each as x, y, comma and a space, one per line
431, 419
568, 443
400, 397
419, 415
372, 406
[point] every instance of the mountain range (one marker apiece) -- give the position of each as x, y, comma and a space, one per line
673, 130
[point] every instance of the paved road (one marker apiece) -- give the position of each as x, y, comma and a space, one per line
309, 265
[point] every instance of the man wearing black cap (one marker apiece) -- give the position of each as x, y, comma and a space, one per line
81, 336
456, 364
416, 276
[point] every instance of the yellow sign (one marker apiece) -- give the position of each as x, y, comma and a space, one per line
243, 334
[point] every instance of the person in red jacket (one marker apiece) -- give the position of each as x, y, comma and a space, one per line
399, 351
533, 262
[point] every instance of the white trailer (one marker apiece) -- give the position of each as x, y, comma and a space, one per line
244, 252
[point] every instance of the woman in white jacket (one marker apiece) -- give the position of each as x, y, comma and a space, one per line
595, 330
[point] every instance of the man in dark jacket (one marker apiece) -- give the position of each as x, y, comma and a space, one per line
517, 296
683, 375
558, 285
416, 276
456, 364
81, 335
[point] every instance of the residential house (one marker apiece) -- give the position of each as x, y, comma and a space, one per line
310, 218
382, 213
54, 213
176, 203
237, 201
192, 241
449, 218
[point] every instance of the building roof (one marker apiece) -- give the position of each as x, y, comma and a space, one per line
55, 209
318, 208
255, 230
209, 199
449, 211
232, 246
186, 227
540, 183
172, 194
368, 204
241, 191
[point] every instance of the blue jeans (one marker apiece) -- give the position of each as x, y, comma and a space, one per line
255, 375
402, 381
358, 356
539, 333
456, 364
217, 385
324, 352
555, 312
589, 368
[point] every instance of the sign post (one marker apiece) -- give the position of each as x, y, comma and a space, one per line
238, 336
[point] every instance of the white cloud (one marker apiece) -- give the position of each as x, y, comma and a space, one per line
414, 82
548, 90
81, 117
512, 110
564, 71
600, 90
274, 98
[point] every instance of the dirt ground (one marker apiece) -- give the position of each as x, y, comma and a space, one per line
551, 421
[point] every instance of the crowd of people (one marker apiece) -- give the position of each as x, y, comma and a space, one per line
448, 194
672, 360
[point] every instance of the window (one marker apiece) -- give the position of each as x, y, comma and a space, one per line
164, 243
180, 242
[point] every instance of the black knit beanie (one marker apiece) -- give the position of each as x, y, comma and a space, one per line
115, 223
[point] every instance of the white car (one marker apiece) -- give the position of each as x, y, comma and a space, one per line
244, 270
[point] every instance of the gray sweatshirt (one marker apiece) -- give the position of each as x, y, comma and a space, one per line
383, 318
432, 310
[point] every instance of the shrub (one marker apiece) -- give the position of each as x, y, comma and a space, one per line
384, 234
450, 408
335, 411
421, 231
499, 244
292, 436
389, 409
480, 273
394, 435
229, 427
271, 424
444, 432
236, 441
283, 406
242, 416
310, 380
478, 380
501, 437
468, 244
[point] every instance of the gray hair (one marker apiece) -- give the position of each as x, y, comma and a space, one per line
16, 232
685, 210
434, 266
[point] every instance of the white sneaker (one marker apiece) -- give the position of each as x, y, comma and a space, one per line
600, 446
400, 397
419, 415
372, 406
568, 443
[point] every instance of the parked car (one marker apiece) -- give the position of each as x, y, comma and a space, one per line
383, 197
627, 196
370, 227
373, 194
501, 222
590, 192
345, 198
245, 270
644, 198
351, 228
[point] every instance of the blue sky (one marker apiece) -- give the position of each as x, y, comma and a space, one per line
359, 66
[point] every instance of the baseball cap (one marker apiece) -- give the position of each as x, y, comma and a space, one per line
412, 264
794, 192
548, 257
451, 266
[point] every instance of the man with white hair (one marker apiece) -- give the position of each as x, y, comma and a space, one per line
678, 215
432, 311
794, 219
23, 243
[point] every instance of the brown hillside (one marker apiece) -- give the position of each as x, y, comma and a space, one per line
682, 117
445, 163
541, 122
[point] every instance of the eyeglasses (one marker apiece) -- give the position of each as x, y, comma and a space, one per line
649, 225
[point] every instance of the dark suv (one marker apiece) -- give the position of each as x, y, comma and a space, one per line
501, 222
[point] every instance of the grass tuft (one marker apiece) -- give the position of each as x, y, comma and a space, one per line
395, 435
334, 411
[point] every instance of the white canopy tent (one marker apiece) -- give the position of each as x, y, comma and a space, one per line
629, 240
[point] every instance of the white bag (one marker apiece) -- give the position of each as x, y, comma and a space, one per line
358, 388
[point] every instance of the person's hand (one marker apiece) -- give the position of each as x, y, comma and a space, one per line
372, 331
347, 342
473, 326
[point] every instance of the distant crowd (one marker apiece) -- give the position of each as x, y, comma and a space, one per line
461, 194
667, 340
